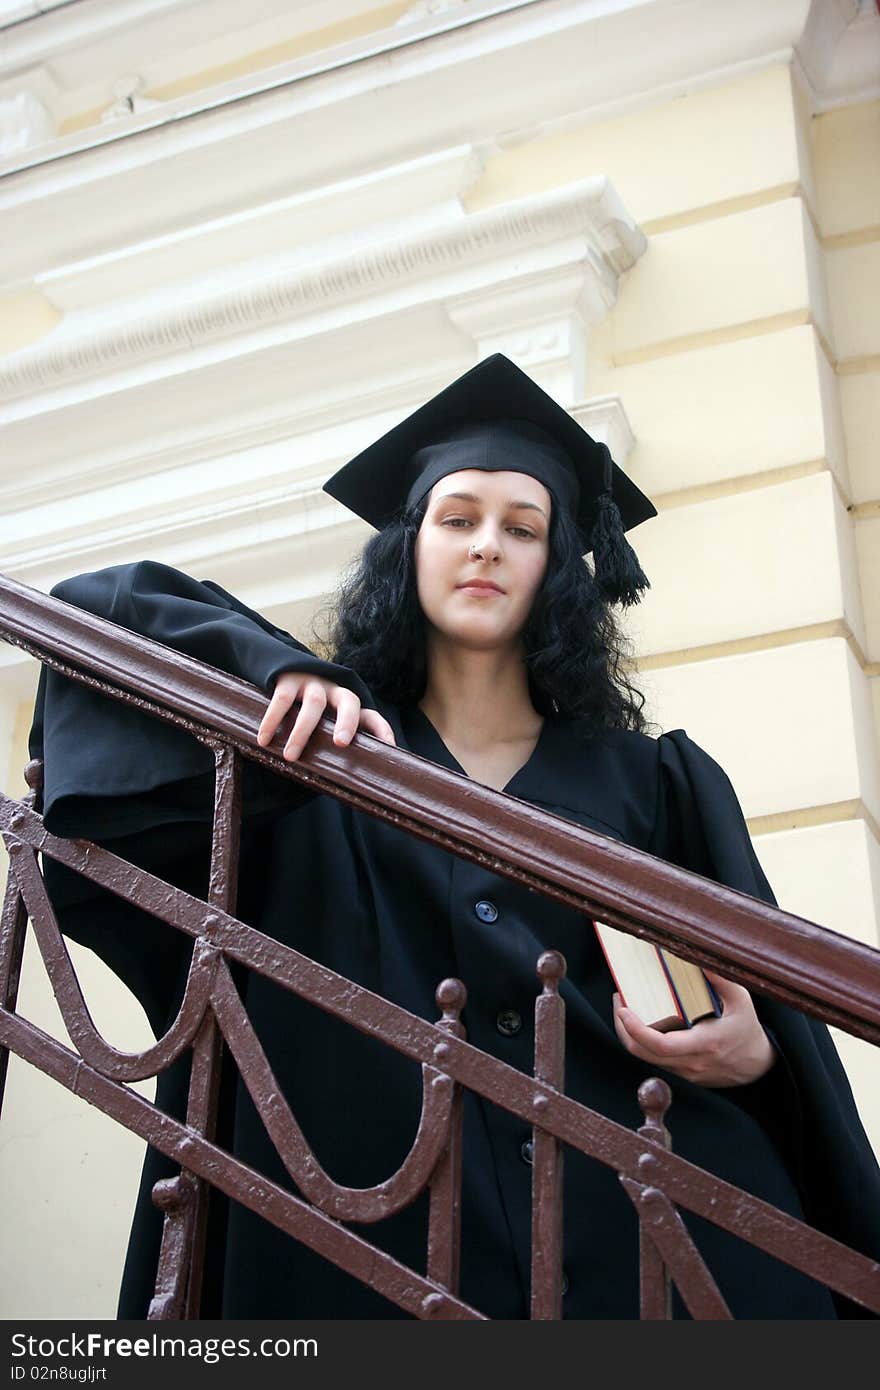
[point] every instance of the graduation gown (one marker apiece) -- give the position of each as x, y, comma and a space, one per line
398, 916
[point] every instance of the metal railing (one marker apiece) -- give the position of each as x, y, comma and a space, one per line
780, 955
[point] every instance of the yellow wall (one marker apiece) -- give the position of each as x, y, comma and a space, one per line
684, 159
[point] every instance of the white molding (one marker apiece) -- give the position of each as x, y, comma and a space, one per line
94, 260
583, 223
483, 70
14, 13
54, 30
173, 38
199, 416
93, 32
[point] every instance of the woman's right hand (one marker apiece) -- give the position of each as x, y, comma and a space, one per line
317, 695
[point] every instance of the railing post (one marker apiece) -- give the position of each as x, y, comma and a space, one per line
546, 1301
655, 1286
185, 1199
667, 1250
444, 1216
13, 925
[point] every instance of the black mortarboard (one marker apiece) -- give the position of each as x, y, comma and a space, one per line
496, 418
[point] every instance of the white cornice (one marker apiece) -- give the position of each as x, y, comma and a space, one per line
80, 35
91, 45
87, 447
93, 261
478, 74
583, 222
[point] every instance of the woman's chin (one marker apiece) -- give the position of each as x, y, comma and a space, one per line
481, 637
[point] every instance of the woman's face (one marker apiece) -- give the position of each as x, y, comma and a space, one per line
481, 553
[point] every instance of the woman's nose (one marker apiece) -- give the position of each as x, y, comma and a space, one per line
485, 546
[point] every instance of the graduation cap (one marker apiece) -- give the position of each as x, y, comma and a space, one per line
495, 418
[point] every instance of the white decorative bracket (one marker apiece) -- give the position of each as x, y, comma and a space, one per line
541, 324
605, 420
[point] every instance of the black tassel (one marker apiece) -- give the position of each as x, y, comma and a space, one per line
615, 563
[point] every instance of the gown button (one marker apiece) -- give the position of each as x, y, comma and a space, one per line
508, 1023
487, 912
527, 1151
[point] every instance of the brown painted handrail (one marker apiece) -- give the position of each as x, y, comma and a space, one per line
797, 961
829, 976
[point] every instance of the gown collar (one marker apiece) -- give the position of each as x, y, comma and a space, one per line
423, 739
563, 775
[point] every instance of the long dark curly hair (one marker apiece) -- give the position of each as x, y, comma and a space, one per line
575, 653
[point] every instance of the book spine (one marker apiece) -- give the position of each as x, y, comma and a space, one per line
676, 998
716, 1002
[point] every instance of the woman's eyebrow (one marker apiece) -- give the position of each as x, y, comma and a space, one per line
472, 497
528, 506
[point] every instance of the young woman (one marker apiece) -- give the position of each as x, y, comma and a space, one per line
472, 634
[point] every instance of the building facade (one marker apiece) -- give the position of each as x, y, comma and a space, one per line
237, 247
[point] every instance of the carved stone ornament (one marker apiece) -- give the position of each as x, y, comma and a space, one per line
24, 121
127, 99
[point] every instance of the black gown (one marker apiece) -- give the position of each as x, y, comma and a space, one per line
398, 916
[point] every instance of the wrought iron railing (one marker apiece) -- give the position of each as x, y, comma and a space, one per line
780, 955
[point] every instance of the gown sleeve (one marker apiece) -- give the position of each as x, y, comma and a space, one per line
143, 787
805, 1100
106, 763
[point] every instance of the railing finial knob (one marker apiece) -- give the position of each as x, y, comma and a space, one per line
655, 1099
451, 997
173, 1194
33, 774
551, 969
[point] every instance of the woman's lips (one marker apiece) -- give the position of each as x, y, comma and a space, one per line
482, 587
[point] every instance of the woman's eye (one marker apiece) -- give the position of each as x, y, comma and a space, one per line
522, 531
456, 521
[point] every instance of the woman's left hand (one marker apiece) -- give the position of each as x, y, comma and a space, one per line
728, 1051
